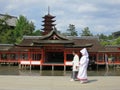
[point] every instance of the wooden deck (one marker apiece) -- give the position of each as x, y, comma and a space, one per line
53, 64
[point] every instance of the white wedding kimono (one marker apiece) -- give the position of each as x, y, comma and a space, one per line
82, 73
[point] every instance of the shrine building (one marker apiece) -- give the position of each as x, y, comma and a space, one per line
54, 49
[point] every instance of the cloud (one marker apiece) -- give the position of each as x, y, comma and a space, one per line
99, 16
100, 28
87, 8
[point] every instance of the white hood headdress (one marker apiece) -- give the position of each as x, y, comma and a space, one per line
84, 52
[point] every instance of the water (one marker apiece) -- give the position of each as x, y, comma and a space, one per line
13, 70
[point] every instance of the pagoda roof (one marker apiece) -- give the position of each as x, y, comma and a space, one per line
48, 20
48, 16
47, 30
49, 24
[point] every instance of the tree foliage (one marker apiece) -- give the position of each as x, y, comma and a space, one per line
86, 32
117, 41
71, 30
14, 35
37, 33
112, 39
23, 27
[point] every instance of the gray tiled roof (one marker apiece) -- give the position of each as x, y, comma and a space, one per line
5, 47
112, 48
11, 21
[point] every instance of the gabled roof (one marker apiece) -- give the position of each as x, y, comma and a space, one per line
53, 33
54, 37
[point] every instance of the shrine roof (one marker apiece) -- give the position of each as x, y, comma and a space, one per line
5, 47
54, 42
79, 46
96, 46
54, 31
112, 48
21, 48
68, 41
71, 42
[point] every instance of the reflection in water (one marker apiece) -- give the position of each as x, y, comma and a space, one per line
41, 73
13, 70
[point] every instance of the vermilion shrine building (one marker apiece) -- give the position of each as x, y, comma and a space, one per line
54, 49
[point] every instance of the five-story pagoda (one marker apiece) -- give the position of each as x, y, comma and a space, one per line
48, 23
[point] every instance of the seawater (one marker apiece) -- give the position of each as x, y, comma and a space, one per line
13, 70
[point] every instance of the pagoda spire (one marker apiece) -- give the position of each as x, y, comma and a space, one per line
48, 23
48, 10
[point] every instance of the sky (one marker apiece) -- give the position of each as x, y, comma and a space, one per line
101, 16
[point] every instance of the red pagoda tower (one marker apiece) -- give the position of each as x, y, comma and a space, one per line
48, 23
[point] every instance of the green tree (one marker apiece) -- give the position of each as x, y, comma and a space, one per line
71, 30
104, 43
102, 37
86, 32
10, 35
106, 40
37, 33
117, 41
23, 27
116, 34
